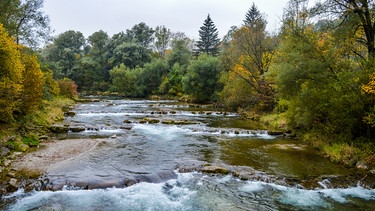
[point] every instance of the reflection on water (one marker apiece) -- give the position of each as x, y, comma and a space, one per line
134, 166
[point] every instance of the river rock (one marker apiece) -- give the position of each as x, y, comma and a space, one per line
275, 133
215, 170
7, 162
361, 165
58, 128
12, 185
70, 113
4, 151
127, 127
77, 128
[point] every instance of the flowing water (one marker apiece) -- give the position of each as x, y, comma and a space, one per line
150, 155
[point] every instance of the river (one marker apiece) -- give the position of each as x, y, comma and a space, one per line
157, 155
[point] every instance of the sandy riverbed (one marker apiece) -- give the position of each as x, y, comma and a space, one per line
51, 153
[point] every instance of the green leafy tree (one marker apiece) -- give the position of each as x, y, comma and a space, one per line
152, 75
124, 81
172, 84
142, 34
201, 79
65, 53
132, 48
25, 21
181, 51
208, 38
95, 63
130, 54
320, 79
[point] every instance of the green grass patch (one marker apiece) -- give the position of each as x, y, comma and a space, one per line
31, 140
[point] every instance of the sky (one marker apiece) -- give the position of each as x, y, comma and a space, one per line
114, 16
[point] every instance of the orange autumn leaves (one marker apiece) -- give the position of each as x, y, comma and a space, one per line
21, 79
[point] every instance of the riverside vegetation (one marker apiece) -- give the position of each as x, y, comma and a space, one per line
313, 78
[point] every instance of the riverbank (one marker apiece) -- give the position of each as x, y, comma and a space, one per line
358, 154
27, 134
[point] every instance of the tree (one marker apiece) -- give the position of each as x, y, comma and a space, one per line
355, 16
131, 48
320, 80
181, 51
65, 52
163, 37
33, 83
11, 69
96, 64
201, 79
172, 84
208, 38
26, 21
151, 77
253, 16
125, 81
248, 58
142, 34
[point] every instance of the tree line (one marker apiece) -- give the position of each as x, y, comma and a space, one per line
316, 73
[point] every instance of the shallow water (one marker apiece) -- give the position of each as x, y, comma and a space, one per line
135, 165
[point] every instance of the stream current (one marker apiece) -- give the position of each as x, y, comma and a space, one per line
150, 155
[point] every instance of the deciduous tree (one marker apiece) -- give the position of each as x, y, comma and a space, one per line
163, 38
11, 70
201, 79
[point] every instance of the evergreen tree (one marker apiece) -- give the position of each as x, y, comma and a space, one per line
208, 41
253, 16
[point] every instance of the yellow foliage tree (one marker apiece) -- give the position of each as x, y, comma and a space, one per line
11, 69
33, 82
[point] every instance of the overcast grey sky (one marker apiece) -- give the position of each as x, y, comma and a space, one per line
113, 16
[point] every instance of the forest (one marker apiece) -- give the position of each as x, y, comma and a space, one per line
314, 78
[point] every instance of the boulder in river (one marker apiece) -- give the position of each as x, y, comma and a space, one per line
12, 185
70, 113
77, 128
58, 128
215, 170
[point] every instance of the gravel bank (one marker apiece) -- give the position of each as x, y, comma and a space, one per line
52, 153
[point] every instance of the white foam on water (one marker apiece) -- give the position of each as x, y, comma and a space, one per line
162, 131
190, 191
110, 114
309, 198
141, 196
342, 194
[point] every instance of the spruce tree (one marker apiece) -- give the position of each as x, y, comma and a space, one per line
208, 41
253, 16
